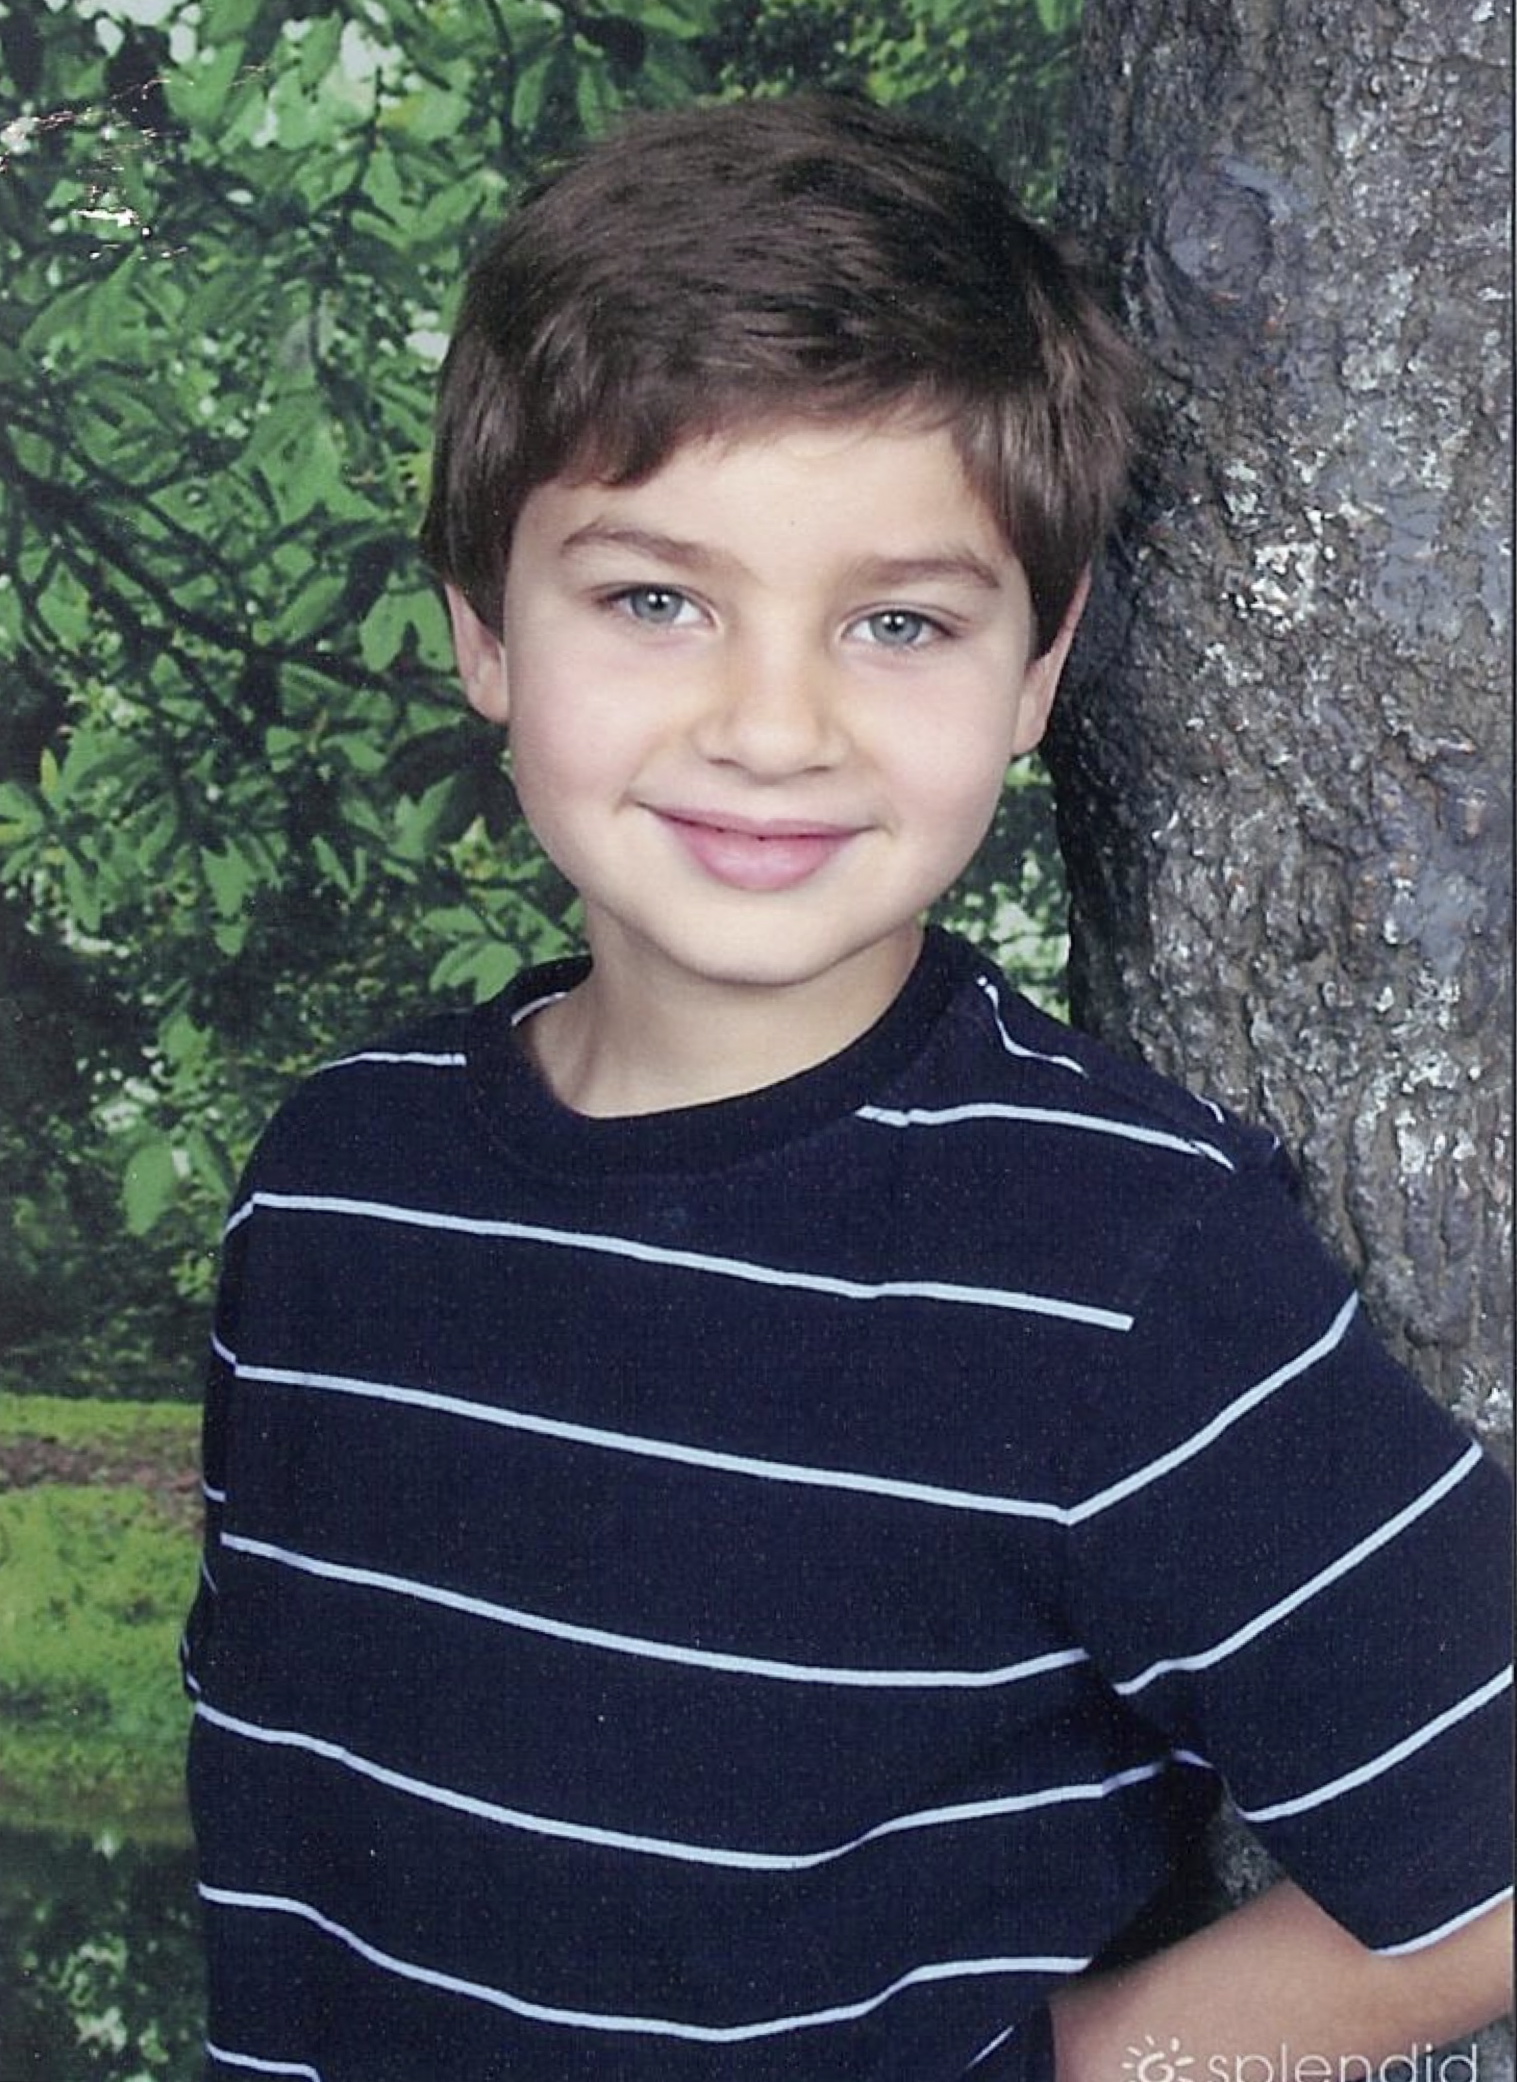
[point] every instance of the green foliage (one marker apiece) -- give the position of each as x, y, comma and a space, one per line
100, 1964
1012, 902
244, 819
93, 1593
998, 73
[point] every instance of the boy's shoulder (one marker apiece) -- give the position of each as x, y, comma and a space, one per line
1045, 1068
400, 1088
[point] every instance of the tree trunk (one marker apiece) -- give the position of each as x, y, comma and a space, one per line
1283, 769
1282, 766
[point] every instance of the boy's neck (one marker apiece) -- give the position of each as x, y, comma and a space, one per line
617, 1047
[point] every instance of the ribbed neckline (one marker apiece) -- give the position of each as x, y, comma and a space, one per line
521, 1117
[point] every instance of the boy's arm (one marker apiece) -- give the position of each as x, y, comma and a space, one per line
1279, 1971
1311, 1592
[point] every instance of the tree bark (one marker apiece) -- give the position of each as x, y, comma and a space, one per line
1283, 763
1283, 767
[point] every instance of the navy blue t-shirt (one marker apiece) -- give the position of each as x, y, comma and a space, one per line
772, 1590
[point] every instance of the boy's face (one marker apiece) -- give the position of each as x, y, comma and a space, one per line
761, 705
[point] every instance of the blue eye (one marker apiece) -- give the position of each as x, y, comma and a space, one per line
657, 607
899, 629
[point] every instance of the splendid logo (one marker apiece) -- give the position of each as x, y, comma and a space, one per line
1418, 2064
1158, 2060
1152, 2062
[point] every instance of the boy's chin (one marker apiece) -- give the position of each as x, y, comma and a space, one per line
778, 963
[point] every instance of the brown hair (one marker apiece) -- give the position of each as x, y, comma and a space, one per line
715, 268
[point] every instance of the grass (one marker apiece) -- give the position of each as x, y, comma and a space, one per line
95, 1578
91, 1421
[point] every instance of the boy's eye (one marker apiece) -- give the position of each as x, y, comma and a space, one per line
900, 629
658, 607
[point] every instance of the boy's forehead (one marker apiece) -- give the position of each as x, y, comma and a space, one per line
848, 464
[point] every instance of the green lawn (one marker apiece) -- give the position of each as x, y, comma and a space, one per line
97, 1567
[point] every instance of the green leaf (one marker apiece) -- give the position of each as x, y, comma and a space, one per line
346, 875
481, 967
672, 18
183, 1040
154, 839
230, 877
443, 813
21, 810
318, 49
198, 94
283, 746
359, 751
233, 19
210, 1162
82, 888
311, 611
148, 1185
94, 754
383, 629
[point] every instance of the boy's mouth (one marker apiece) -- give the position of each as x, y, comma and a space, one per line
756, 854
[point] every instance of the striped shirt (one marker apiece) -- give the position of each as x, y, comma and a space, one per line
772, 1590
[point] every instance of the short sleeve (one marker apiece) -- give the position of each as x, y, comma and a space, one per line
1293, 1564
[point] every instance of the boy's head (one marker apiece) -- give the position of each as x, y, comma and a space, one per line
721, 268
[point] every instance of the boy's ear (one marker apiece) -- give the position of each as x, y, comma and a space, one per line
481, 659
1041, 681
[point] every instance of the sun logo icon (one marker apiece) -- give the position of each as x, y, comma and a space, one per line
1152, 2062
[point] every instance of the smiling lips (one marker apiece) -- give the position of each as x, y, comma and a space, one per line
752, 855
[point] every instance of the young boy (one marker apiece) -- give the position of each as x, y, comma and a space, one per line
759, 1486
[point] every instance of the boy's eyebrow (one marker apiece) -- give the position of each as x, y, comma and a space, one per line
962, 564
646, 542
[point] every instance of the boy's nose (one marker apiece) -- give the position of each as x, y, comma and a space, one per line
772, 710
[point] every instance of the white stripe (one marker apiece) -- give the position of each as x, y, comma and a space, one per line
659, 1449
262, 2067
817, 1478
538, 1004
1066, 1062
1301, 1595
1433, 1937
667, 1847
1041, 1116
1223, 1421
451, 1060
652, 2027
1031, 1055
223, 1351
212, 1495
999, 2040
648, 1650
696, 1261
1387, 1759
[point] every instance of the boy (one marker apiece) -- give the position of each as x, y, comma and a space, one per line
759, 1486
